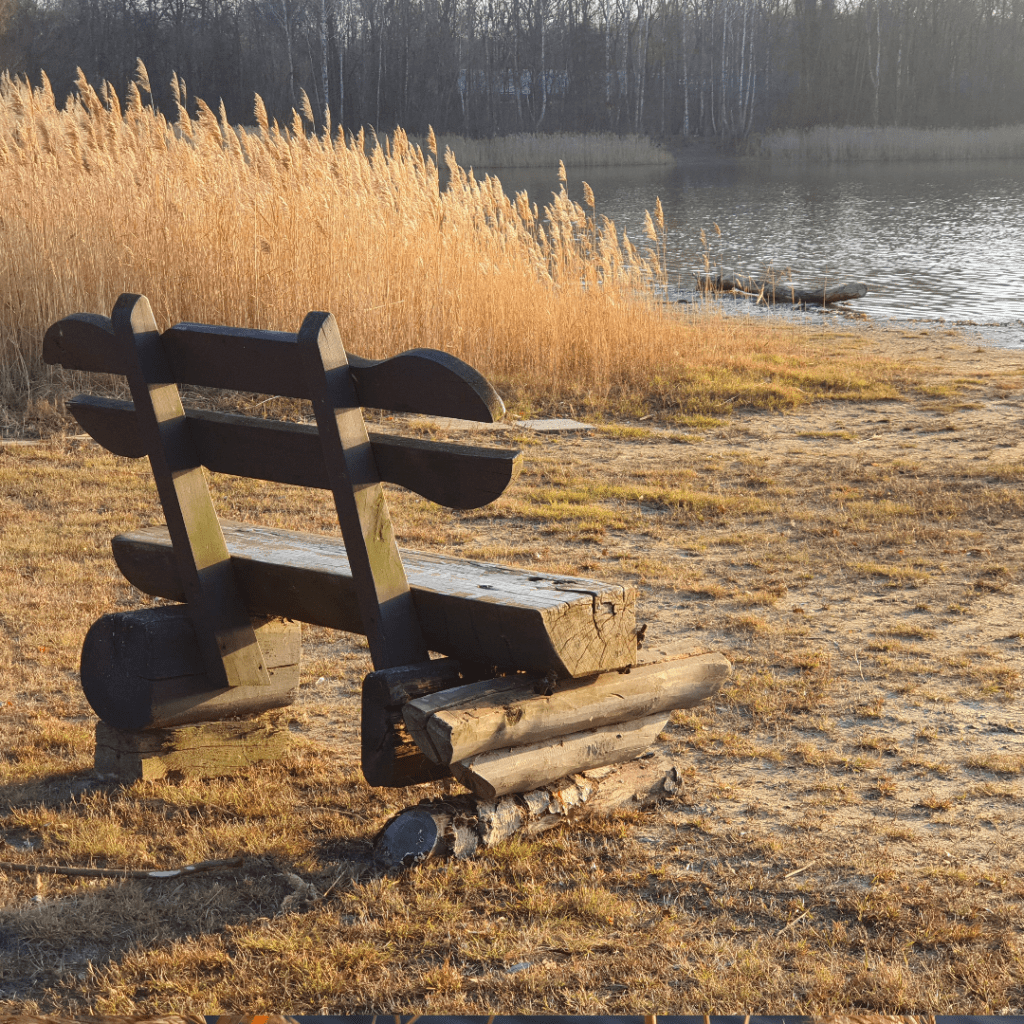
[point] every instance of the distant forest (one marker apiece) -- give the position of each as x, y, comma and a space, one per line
712, 68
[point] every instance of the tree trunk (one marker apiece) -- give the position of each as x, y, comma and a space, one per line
324, 54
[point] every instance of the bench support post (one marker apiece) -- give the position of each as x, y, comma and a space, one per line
382, 589
223, 629
385, 601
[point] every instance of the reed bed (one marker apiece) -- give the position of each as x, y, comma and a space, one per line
574, 149
256, 228
837, 145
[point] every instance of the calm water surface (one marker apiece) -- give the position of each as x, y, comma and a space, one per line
932, 241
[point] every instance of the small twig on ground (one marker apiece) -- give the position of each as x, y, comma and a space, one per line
795, 920
61, 869
809, 864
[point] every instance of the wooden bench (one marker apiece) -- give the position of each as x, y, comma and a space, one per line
231, 648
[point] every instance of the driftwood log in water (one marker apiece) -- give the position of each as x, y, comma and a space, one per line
770, 289
461, 826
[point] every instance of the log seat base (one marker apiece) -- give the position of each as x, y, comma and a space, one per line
205, 750
143, 670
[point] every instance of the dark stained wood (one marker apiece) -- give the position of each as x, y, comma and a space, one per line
206, 750
422, 381
230, 650
454, 475
84, 341
111, 423
473, 611
143, 669
462, 826
520, 769
389, 755
385, 601
510, 712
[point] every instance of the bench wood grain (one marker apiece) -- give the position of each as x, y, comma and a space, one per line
473, 611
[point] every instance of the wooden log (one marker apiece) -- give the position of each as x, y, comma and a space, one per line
771, 289
206, 750
463, 826
390, 757
143, 670
456, 724
454, 475
239, 359
520, 769
825, 296
473, 611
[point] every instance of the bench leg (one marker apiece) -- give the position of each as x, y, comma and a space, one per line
204, 751
144, 670
390, 756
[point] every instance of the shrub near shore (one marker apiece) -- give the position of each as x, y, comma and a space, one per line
827, 144
255, 229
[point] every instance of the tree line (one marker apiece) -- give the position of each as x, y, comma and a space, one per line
712, 68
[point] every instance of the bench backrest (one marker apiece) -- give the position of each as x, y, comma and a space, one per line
337, 454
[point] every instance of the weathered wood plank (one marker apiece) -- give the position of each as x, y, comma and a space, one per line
421, 380
499, 772
143, 669
190, 751
509, 712
463, 826
454, 475
389, 755
84, 341
385, 601
473, 611
239, 359
230, 650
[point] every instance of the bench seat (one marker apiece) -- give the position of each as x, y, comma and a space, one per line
477, 612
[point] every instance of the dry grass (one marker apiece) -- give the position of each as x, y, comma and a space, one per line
845, 840
850, 144
257, 228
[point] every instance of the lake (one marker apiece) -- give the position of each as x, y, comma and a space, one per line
932, 241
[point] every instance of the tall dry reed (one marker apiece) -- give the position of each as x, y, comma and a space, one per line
850, 144
256, 228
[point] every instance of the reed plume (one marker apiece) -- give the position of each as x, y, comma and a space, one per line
255, 227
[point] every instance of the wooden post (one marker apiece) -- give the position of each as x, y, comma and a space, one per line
389, 616
385, 601
390, 757
224, 631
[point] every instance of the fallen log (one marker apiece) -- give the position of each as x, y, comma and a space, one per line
464, 721
773, 290
463, 826
520, 769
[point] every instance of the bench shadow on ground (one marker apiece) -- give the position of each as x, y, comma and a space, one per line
58, 933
